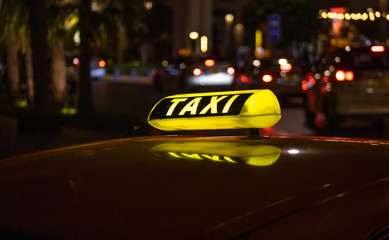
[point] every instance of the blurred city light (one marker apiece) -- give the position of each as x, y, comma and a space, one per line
267, 78
256, 63
148, 5
209, 62
197, 72
377, 48
287, 67
340, 75
101, 63
349, 75
282, 61
230, 70
229, 18
364, 16
165, 63
194, 35
76, 37
76, 62
71, 21
204, 44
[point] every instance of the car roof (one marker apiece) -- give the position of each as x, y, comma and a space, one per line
195, 187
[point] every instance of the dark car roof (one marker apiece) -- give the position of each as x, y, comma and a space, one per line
166, 187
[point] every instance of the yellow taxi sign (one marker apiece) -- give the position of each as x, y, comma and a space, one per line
216, 110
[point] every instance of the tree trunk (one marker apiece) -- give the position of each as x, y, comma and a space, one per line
85, 103
38, 24
120, 44
58, 71
13, 69
29, 73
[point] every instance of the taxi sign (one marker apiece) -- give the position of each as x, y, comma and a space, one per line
216, 110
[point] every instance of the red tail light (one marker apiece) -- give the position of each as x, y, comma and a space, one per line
377, 49
245, 79
342, 75
197, 71
101, 63
286, 67
304, 85
349, 76
267, 78
230, 70
209, 62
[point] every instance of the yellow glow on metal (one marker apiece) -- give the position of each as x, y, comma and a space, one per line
216, 110
220, 151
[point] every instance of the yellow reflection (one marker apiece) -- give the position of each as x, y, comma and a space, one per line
228, 152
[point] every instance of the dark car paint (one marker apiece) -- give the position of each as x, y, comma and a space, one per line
317, 188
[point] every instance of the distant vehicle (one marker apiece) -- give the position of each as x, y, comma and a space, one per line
348, 83
195, 74
169, 75
282, 76
97, 68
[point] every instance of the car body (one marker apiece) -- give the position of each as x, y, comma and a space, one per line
201, 186
175, 187
209, 74
196, 73
350, 82
283, 76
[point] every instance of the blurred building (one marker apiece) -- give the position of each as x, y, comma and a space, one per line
214, 24
217, 27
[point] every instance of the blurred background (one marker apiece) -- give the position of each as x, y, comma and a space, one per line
75, 71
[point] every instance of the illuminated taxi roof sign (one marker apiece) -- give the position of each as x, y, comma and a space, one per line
216, 110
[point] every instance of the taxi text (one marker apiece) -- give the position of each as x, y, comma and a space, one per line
192, 106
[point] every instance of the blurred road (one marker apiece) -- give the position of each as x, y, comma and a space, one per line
12, 143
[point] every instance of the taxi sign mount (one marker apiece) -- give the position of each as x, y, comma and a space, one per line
216, 110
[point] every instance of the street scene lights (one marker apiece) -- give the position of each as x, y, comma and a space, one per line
193, 39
